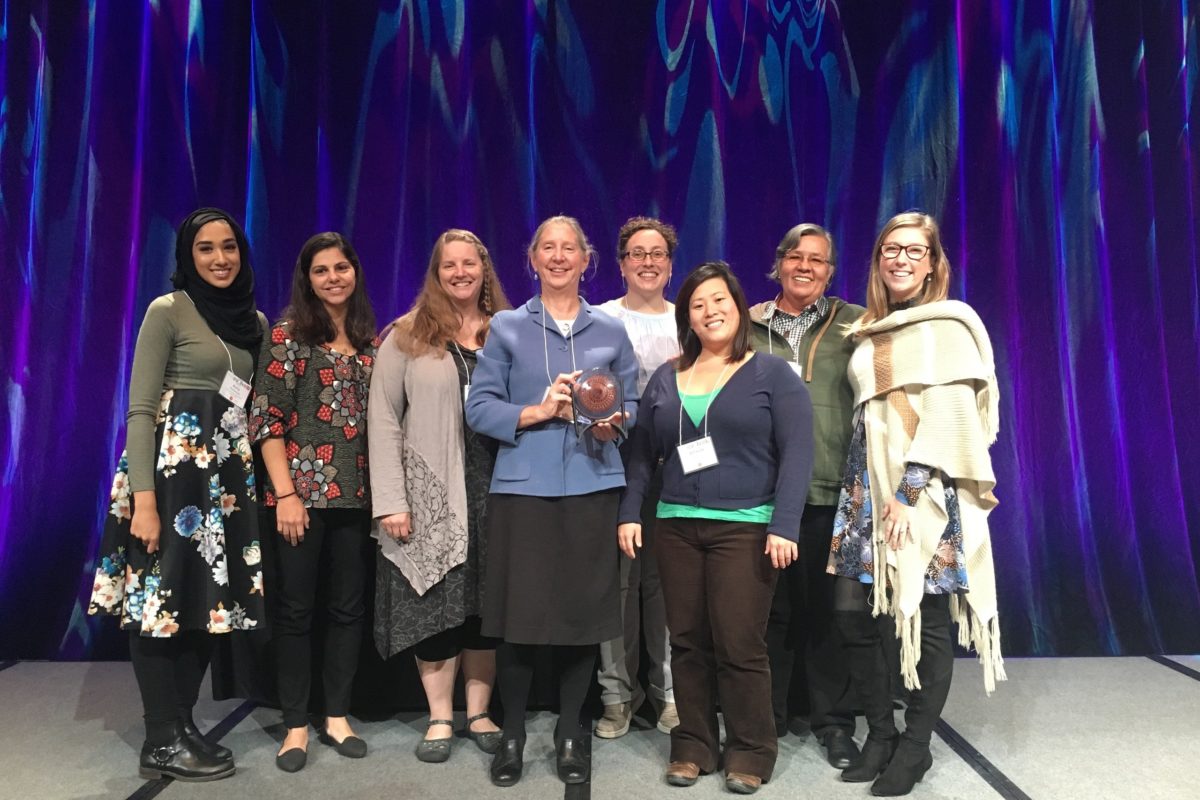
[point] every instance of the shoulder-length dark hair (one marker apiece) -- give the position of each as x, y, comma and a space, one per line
433, 320
689, 343
306, 316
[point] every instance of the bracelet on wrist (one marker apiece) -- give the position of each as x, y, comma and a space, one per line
279, 497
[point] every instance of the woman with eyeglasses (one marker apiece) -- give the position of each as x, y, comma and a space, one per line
644, 249
551, 580
911, 533
733, 431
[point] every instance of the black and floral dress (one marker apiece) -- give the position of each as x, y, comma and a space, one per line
207, 573
315, 399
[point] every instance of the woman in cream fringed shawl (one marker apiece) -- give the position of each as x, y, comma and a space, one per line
911, 534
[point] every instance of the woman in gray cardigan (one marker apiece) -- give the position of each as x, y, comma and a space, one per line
430, 476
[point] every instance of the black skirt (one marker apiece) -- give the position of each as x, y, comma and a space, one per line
207, 572
552, 574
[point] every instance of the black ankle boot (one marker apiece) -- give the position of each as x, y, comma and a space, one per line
508, 762
906, 769
197, 740
179, 760
876, 754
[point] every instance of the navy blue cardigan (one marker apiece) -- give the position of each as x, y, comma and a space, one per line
762, 430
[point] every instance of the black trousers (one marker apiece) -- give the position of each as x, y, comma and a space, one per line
330, 557
801, 629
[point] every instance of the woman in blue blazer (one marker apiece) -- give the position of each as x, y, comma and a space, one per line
552, 575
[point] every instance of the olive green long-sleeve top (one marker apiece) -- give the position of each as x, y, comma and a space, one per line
175, 350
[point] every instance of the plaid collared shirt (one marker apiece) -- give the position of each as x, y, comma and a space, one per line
792, 327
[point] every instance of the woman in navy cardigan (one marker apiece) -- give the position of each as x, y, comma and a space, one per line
552, 575
734, 432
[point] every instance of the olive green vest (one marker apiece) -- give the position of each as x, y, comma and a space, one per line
824, 358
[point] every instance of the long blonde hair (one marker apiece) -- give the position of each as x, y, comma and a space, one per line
937, 285
433, 320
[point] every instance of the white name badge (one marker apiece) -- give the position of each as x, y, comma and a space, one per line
234, 389
697, 455
797, 368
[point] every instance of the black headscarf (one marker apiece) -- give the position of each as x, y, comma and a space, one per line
230, 312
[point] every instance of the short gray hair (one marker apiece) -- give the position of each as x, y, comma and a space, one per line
791, 240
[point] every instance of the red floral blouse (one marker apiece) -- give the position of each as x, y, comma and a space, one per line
316, 400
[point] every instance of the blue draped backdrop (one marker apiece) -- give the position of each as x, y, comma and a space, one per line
1056, 140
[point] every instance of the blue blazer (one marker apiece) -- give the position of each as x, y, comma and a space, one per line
523, 345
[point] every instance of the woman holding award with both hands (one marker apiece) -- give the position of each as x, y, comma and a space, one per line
552, 577
734, 432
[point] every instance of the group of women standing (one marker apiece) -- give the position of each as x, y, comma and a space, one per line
496, 503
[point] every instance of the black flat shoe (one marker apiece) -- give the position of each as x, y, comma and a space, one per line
906, 769
197, 741
508, 762
178, 760
487, 741
292, 760
350, 747
840, 750
435, 751
574, 760
876, 754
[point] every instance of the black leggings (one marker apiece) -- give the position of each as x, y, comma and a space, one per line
169, 673
574, 664
864, 645
332, 551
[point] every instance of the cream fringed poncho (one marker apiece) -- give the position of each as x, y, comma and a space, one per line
926, 379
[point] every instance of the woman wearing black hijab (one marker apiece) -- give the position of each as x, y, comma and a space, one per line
180, 556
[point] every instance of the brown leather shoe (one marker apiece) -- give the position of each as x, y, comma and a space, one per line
741, 783
682, 773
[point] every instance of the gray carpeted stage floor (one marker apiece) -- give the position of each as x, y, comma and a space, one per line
1059, 728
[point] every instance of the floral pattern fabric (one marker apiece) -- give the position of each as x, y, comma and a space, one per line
316, 400
207, 571
852, 549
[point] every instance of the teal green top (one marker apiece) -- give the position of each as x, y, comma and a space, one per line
696, 406
677, 511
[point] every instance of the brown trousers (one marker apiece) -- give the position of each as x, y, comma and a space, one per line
718, 587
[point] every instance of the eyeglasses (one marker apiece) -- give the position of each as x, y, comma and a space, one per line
799, 258
914, 251
638, 254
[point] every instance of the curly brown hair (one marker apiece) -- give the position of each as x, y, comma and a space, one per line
635, 224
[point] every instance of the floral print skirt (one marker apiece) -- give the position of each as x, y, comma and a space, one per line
852, 550
207, 572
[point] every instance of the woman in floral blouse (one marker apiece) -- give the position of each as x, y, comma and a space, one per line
180, 557
309, 413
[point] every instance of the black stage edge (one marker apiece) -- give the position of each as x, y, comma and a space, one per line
1166, 662
6, 664
152, 788
978, 762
